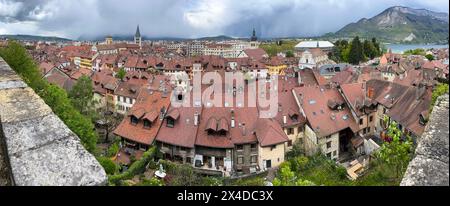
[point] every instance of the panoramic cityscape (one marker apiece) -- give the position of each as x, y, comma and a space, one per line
224, 93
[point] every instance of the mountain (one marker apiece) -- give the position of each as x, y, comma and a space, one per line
216, 38
34, 38
401, 25
131, 38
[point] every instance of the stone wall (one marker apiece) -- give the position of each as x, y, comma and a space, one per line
430, 164
37, 148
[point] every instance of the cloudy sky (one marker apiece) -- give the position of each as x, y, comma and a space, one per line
191, 18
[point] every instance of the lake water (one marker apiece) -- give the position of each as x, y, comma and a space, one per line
400, 48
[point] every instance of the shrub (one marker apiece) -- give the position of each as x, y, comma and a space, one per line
109, 166
438, 91
151, 182
113, 149
300, 163
255, 181
211, 181
136, 168
168, 166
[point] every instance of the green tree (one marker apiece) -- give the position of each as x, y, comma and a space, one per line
377, 47
396, 153
335, 54
430, 57
417, 51
370, 50
297, 150
346, 53
356, 54
82, 96
121, 74
289, 54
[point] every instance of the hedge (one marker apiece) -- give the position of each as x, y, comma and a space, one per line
20, 61
136, 168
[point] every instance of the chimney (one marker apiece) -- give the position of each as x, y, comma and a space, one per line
162, 113
244, 132
233, 123
333, 116
196, 118
370, 92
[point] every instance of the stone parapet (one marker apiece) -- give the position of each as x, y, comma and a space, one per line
36, 147
430, 164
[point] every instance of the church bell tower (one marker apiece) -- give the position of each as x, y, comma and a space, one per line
138, 38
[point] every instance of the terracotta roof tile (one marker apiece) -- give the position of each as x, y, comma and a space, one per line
150, 102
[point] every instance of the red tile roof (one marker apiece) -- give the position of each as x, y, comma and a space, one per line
320, 117
356, 96
269, 133
184, 132
127, 89
256, 54
104, 81
288, 108
45, 67
407, 110
151, 104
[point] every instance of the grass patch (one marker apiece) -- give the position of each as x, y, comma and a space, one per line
273, 49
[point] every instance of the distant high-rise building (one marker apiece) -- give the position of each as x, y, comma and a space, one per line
138, 38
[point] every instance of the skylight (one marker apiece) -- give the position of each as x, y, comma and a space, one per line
312, 101
345, 117
387, 96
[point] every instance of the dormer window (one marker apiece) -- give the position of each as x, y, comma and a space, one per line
170, 122
147, 124
171, 117
294, 117
134, 120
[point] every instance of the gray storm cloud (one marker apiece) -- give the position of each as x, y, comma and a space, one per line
191, 18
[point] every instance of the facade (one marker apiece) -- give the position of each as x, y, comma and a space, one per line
125, 96
109, 40
312, 58
276, 66
330, 126
195, 48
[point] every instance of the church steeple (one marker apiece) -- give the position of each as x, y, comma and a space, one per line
138, 33
138, 38
254, 38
